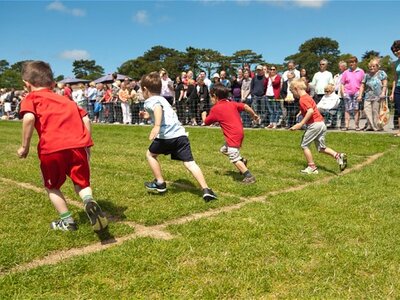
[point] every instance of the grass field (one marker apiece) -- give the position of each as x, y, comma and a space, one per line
287, 236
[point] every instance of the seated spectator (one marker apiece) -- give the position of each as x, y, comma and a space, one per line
329, 104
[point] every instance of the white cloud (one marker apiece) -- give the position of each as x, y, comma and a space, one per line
310, 3
60, 7
74, 54
141, 17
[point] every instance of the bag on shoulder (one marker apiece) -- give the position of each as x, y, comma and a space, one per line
98, 107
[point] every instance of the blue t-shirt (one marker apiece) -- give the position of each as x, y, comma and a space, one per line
373, 85
170, 125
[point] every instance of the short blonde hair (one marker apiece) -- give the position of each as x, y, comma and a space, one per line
298, 83
375, 61
330, 88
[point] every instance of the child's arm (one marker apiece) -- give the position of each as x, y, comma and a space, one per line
308, 115
250, 111
28, 124
88, 125
157, 122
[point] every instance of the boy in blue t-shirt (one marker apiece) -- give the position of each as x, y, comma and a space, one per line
168, 137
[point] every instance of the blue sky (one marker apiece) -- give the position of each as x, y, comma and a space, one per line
113, 32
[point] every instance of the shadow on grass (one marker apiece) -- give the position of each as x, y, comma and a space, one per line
182, 184
113, 213
235, 175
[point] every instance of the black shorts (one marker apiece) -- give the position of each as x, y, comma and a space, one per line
179, 148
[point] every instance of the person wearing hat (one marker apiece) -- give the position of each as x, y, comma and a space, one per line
216, 79
258, 87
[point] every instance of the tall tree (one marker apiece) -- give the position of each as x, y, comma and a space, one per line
241, 57
87, 69
315, 49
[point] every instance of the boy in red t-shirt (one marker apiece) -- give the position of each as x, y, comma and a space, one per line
227, 114
64, 141
316, 129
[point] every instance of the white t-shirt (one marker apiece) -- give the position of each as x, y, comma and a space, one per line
329, 102
170, 125
321, 80
166, 87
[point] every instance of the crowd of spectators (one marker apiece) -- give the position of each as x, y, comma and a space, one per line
339, 97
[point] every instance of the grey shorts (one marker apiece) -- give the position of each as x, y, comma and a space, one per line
231, 152
315, 132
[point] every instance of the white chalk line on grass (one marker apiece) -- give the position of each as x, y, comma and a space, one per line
157, 231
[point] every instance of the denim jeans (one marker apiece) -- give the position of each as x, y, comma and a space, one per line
259, 105
274, 110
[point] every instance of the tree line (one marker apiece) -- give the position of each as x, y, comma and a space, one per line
308, 56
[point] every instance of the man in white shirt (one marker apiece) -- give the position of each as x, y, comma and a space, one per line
321, 79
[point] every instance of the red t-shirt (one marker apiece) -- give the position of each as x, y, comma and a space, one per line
227, 113
306, 102
58, 121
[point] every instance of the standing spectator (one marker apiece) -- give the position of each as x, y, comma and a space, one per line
206, 80
246, 66
204, 100
225, 81
180, 100
291, 104
216, 79
123, 96
395, 94
320, 80
193, 101
117, 111
338, 90
78, 95
91, 96
68, 91
59, 89
167, 87
246, 97
273, 97
258, 87
8, 99
134, 97
291, 66
108, 104
351, 82
98, 106
236, 88
374, 85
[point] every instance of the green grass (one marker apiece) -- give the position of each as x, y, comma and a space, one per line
337, 239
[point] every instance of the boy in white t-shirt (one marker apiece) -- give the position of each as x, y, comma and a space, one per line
168, 137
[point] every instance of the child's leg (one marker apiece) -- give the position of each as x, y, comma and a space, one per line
309, 157
58, 200
86, 193
196, 172
154, 166
328, 151
241, 166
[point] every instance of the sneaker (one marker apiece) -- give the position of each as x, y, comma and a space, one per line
309, 170
249, 179
96, 216
208, 195
64, 226
154, 186
342, 161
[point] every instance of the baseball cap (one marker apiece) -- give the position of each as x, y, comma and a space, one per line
259, 67
216, 75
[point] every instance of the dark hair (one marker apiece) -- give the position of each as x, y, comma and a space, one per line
220, 91
152, 82
38, 73
396, 46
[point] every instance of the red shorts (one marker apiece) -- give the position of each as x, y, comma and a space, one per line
73, 163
